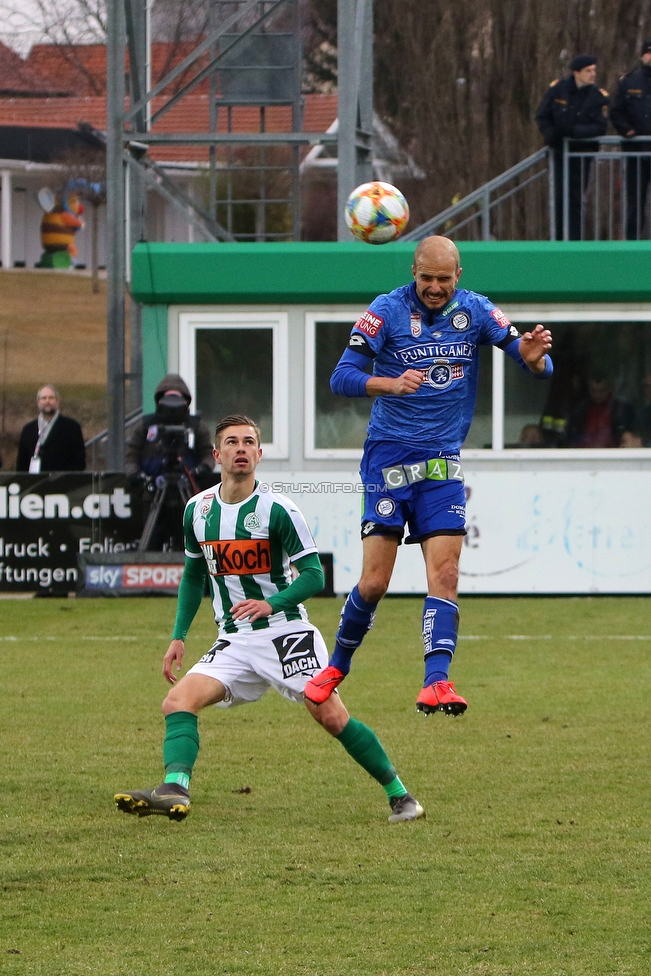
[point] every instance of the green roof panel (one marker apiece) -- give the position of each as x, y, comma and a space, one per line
352, 273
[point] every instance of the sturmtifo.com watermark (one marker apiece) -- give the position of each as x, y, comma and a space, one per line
317, 488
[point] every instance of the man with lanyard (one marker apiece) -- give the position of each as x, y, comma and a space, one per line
52, 442
423, 340
244, 538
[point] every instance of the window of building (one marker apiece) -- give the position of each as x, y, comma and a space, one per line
237, 363
600, 393
480, 434
335, 426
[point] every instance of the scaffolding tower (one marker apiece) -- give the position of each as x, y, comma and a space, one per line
251, 56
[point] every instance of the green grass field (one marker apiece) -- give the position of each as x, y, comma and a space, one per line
534, 858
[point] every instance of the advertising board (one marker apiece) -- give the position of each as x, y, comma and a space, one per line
530, 531
47, 520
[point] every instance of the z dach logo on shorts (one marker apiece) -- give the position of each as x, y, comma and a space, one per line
148, 576
296, 653
237, 557
369, 323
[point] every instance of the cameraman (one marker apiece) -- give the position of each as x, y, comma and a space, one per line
170, 446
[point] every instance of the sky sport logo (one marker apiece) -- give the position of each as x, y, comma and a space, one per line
152, 576
57, 506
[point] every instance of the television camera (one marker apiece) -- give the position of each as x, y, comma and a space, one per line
175, 438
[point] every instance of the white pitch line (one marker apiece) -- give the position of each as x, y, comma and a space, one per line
65, 637
561, 637
473, 637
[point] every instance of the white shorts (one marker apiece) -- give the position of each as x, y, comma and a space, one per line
283, 658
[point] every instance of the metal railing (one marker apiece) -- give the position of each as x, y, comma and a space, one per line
512, 206
605, 191
96, 446
593, 189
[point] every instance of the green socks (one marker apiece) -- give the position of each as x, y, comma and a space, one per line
181, 747
362, 744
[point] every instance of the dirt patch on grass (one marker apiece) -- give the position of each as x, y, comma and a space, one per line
52, 330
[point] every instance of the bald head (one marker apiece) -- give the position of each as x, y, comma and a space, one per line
436, 271
437, 247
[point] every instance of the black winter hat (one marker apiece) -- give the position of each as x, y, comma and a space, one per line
172, 382
646, 47
582, 61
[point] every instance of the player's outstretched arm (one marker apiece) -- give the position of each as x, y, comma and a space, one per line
534, 346
173, 656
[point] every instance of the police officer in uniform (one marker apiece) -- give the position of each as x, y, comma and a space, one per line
573, 108
631, 116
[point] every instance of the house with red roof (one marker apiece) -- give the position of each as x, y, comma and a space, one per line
53, 104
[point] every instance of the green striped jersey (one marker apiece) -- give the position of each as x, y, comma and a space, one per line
248, 548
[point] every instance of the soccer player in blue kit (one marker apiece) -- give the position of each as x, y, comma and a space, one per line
423, 340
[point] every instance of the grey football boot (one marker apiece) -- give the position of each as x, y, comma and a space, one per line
405, 807
168, 799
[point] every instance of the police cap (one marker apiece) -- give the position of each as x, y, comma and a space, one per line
582, 61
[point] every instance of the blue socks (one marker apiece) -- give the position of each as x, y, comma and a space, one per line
356, 620
440, 626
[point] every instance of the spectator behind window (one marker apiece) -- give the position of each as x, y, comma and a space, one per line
642, 417
631, 438
599, 419
531, 436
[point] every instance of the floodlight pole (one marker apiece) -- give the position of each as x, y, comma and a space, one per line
354, 100
138, 40
115, 214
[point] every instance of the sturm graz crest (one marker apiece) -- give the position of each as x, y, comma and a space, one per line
460, 321
439, 375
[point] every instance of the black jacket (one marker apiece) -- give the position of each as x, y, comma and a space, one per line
570, 112
63, 449
146, 452
632, 105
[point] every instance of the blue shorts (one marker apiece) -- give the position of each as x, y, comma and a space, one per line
429, 507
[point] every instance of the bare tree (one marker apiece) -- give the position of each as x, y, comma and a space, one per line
62, 22
458, 81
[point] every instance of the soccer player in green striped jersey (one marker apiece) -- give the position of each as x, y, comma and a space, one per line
246, 541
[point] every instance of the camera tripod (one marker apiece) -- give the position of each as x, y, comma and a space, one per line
185, 487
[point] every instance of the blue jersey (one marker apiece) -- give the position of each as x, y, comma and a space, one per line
398, 332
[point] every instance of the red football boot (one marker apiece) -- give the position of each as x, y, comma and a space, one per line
441, 697
320, 687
